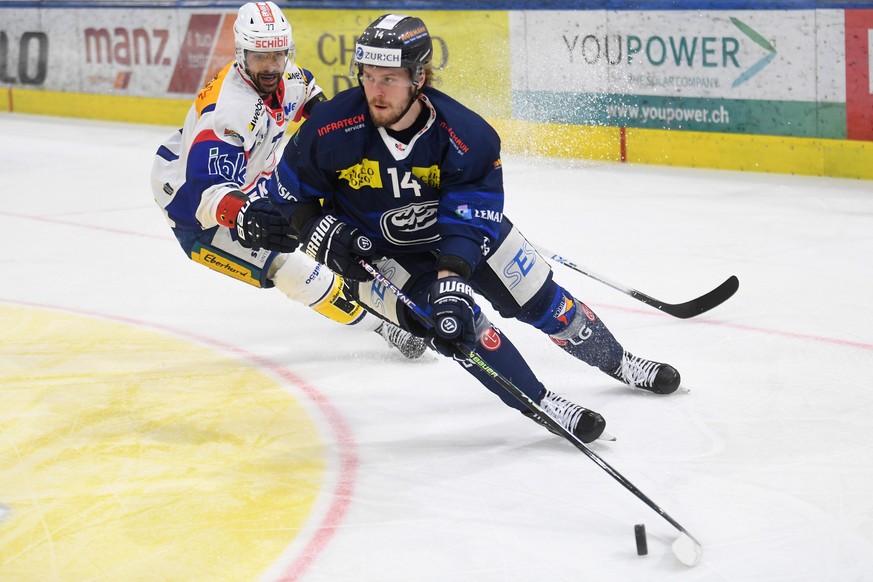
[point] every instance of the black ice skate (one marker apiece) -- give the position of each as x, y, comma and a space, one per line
409, 345
646, 374
586, 424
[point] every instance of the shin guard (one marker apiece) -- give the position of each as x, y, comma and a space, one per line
584, 336
302, 279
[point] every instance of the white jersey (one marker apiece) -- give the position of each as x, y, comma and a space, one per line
230, 141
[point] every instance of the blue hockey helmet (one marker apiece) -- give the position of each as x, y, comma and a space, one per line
394, 40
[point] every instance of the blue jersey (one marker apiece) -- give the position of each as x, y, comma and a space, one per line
442, 191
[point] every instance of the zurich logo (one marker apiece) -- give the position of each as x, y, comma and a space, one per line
359, 53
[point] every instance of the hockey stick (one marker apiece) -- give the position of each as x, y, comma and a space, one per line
686, 547
685, 310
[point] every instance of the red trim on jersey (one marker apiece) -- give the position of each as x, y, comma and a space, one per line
205, 135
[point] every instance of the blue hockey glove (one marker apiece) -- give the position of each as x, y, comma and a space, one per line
339, 246
453, 313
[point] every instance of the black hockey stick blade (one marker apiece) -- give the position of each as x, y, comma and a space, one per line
685, 310
696, 306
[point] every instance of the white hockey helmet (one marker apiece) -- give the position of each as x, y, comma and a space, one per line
261, 27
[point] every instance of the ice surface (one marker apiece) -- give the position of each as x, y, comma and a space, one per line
767, 459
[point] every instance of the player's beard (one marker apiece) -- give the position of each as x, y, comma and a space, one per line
267, 82
388, 116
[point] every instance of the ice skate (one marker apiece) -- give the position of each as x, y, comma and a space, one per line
586, 424
646, 374
409, 345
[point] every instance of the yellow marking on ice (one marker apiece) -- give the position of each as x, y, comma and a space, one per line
127, 454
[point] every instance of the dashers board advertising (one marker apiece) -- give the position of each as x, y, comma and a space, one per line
173, 52
801, 72
765, 72
859, 74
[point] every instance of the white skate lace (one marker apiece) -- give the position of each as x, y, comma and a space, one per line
638, 371
565, 412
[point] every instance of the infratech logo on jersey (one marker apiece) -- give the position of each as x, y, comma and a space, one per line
341, 124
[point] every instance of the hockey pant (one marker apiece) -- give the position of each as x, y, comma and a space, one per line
517, 282
294, 274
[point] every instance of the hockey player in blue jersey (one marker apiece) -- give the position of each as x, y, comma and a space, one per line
400, 174
211, 177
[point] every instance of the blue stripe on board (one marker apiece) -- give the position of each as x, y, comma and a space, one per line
413, 5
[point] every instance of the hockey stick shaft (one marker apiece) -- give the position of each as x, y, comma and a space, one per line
468, 354
684, 310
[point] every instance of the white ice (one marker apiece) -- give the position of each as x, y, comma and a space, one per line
767, 460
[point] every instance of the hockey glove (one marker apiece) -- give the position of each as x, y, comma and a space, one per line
257, 223
339, 246
452, 310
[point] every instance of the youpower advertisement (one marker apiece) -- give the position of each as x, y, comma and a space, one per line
801, 73
716, 71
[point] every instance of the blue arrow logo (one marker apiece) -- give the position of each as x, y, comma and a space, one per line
762, 42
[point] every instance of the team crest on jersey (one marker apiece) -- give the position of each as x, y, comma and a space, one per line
411, 225
364, 174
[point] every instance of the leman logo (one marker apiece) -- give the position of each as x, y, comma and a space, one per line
760, 41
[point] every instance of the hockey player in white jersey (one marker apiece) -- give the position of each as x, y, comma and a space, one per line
211, 177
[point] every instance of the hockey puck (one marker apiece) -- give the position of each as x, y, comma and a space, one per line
642, 545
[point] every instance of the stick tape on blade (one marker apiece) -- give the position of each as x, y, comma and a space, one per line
687, 550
